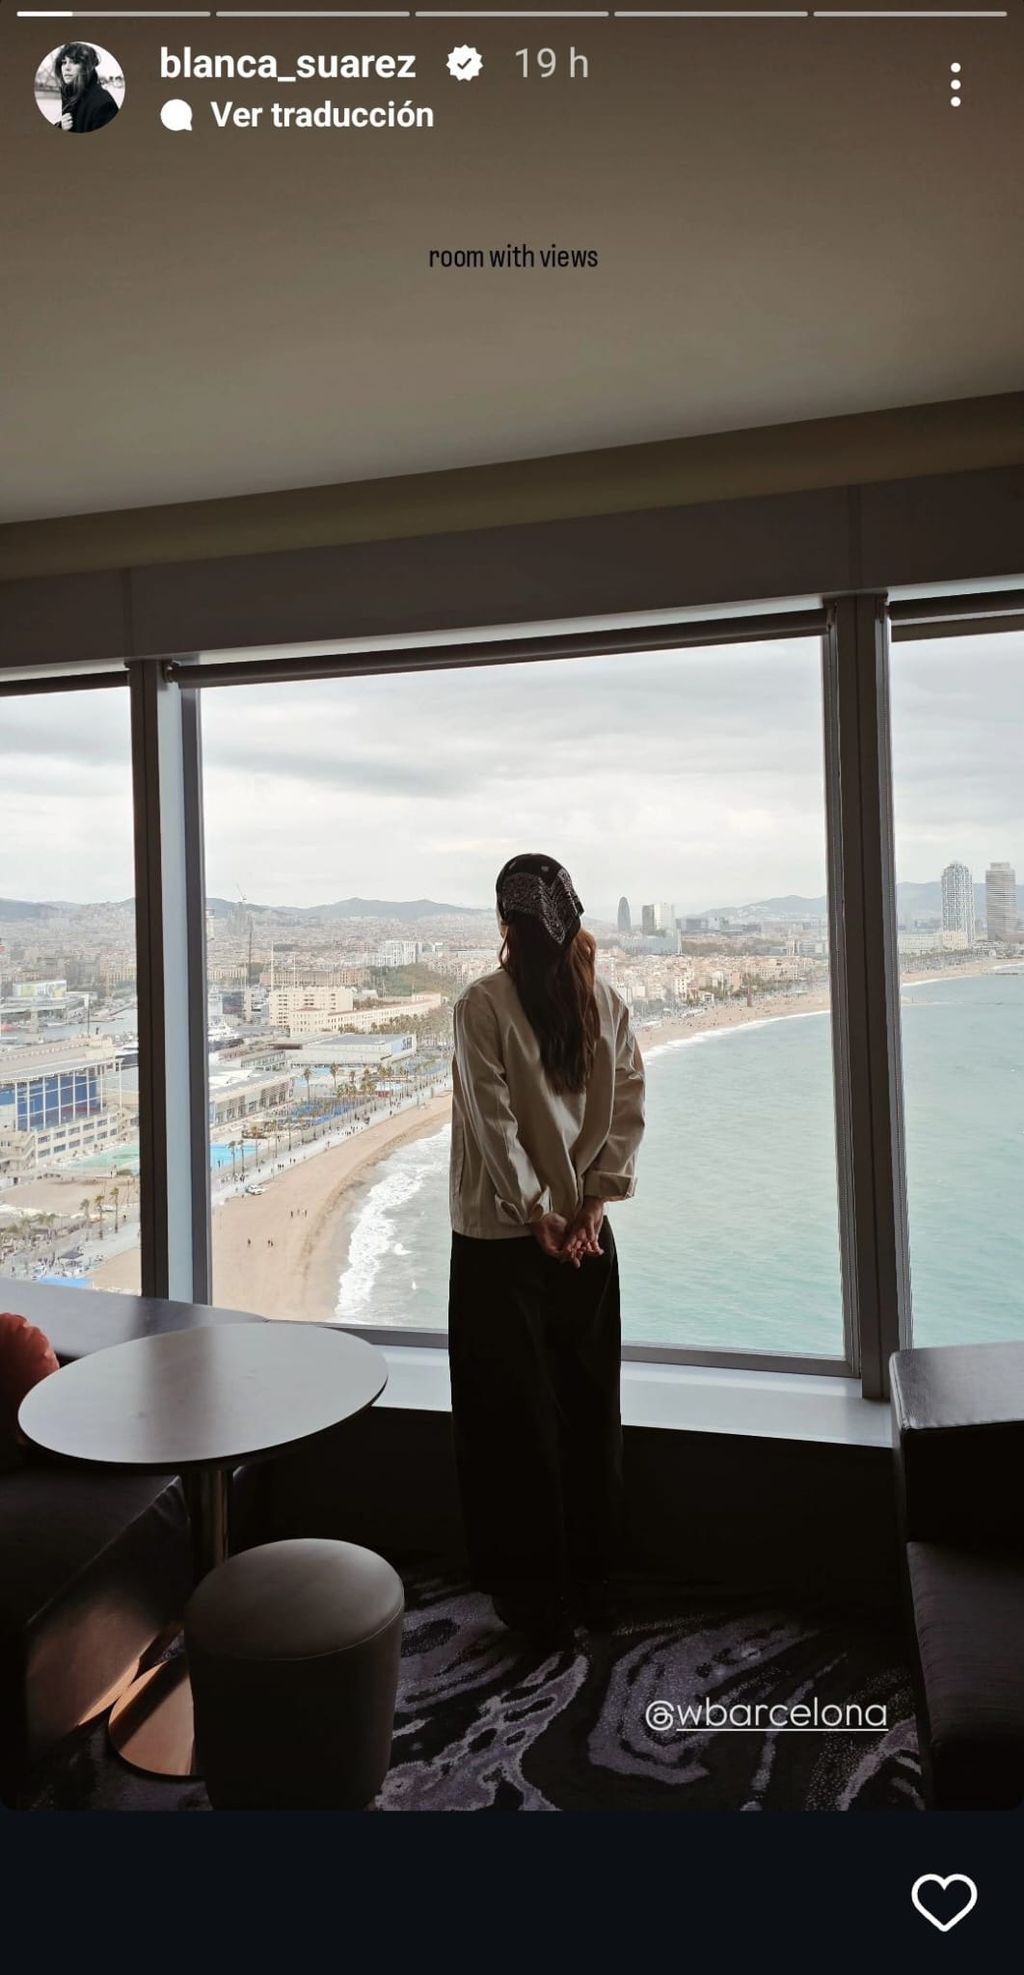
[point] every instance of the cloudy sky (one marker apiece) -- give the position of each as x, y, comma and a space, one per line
694, 777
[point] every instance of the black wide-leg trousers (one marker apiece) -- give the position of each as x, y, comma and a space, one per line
534, 1348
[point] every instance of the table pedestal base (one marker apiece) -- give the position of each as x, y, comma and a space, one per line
151, 1727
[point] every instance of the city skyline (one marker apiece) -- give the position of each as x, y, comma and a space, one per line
953, 899
693, 777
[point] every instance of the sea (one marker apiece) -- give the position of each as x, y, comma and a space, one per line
731, 1240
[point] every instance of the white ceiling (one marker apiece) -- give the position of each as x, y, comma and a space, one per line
791, 220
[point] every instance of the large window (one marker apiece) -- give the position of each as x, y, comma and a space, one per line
353, 827
69, 1153
958, 743
353, 831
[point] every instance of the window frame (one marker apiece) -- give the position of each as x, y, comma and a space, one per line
943, 617
856, 629
685, 633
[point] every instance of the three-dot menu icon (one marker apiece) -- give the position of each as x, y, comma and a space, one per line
954, 83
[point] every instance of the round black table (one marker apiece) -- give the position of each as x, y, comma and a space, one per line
197, 1402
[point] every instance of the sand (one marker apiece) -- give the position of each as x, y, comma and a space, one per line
281, 1254
774, 1007
305, 1213
701, 1021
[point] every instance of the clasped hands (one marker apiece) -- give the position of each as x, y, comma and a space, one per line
571, 1241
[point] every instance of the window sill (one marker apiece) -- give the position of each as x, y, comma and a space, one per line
686, 1399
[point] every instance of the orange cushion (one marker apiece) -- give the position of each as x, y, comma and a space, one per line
26, 1356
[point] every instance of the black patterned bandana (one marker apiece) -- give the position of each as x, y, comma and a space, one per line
543, 888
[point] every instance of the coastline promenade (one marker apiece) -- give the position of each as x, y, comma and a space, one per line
281, 1253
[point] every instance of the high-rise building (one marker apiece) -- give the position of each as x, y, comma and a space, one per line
665, 918
1001, 902
647, 919
310, 1010
625, 922
958, 901
58, 1103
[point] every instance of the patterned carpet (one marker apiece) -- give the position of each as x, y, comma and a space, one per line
484, 1723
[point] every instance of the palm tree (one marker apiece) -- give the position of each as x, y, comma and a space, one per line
115, 1195
48, 1224
86, 1207
750, 984
308, 1078
100, 1201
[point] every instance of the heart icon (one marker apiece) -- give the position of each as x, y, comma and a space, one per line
961, 1905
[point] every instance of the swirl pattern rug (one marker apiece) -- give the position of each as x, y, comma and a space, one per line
485, 1723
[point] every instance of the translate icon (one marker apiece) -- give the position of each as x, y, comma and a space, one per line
176, 114
932, 1898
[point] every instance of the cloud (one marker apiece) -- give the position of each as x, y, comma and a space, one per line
695, 776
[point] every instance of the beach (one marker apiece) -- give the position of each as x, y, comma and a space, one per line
705, 1021
281, 1253
773, 1007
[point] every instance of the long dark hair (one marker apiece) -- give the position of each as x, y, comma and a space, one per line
78, 51
556, 987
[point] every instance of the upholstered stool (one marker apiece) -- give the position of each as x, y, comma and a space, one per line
293, 1650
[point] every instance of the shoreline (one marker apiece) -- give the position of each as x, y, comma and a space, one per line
293, 1272
280, 1253
719, 1021
772, 1008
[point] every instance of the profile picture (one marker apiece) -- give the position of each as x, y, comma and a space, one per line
79, 87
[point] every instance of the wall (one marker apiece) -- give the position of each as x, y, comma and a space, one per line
792, 1519
960, 437
928, 495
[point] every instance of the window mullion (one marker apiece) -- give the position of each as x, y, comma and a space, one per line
866, 985
168, 894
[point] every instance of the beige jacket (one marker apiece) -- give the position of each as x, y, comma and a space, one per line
518, 1149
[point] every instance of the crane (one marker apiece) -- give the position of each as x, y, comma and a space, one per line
245, 918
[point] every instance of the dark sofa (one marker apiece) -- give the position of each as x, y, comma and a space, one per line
94, 1563
93, 1566
958, 1425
